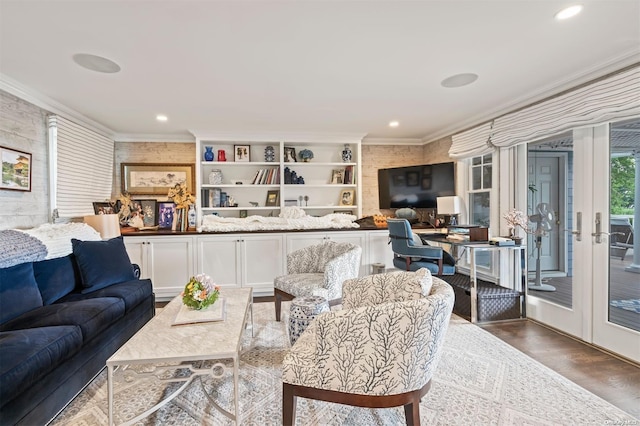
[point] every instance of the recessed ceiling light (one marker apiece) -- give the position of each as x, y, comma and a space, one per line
161, 117
568, 12
394, 123
96, 63
459, 80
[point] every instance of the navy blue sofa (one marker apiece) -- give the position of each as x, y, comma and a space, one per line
60, 320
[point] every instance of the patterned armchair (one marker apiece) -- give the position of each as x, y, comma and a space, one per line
318, 270
381, 350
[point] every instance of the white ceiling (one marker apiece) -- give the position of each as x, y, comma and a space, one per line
306, 66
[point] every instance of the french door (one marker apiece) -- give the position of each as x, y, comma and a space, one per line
595, 298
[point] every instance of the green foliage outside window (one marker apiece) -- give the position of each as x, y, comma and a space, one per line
622, 185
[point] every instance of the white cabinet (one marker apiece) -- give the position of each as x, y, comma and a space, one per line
242, 260
379, 249
167, 261
261, 187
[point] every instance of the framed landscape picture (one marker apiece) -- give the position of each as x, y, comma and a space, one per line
155, 179
16, 169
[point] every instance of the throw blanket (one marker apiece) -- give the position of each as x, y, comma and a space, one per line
57, 236
291, 218
17, 247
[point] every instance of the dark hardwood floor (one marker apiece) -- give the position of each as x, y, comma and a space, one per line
612, 379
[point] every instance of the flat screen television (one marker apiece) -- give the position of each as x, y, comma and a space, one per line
415, 186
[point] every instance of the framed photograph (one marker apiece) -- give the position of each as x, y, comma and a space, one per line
347, 196
155, 179
241, 153
273, 198
243, 214
337, 176
149, 209
166, 212
16, 169
412, 178
290, 155
105, 207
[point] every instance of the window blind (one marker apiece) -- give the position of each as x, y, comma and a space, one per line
615, 97
82, 167
472, 143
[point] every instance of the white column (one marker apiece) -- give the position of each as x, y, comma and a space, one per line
635, 264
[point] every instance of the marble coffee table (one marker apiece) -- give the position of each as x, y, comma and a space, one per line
170, 348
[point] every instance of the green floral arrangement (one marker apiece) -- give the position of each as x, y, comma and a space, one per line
200, 292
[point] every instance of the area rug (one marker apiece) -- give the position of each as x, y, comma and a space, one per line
632, 305
481, 380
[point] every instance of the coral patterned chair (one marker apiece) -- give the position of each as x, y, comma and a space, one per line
381, 350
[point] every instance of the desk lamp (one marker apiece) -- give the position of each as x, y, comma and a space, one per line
450, 206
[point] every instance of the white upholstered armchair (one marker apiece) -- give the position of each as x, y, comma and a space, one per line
379, 351
319, 269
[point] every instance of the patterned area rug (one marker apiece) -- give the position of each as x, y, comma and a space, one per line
632, 305
480, 381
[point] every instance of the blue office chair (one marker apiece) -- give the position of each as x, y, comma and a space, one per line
409, 255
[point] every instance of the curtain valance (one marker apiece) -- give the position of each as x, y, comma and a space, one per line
472, 142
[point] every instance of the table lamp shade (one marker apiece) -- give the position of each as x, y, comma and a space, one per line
449, 205
107, 225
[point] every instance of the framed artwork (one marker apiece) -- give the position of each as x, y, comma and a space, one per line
290, 155
426, 182
16, 169
243, 214
149, 210
412, 178
337, 176
166, 213
273, 198
242, 153
346, 197
105, 207
155, 179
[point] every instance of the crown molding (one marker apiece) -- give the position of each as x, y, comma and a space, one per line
152, 138
285, 136
36, 98
392, 141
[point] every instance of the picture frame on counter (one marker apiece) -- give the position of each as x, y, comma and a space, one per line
149, 210
166, 214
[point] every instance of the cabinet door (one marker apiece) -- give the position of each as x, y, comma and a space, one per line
219, 257
171, 264
263, 257
137, 251
379, 249
296, 241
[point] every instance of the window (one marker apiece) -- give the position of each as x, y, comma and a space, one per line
480, 174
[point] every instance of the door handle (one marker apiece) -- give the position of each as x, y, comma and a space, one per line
578, 231
598, 234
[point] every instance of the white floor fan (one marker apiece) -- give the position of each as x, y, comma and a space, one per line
543, 220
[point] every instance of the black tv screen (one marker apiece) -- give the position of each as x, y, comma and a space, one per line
415, 186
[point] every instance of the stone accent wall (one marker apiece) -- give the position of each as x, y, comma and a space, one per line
376, 157
150, 152
23, 127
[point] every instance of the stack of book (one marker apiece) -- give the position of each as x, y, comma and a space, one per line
211, 197
269, 176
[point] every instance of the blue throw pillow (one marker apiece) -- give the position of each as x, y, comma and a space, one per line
102, 263
18, 291
56, 278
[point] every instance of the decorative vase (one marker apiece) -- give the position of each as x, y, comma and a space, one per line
191, 216
346, 154
221, 155
208, 153
215, 177
269, 154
